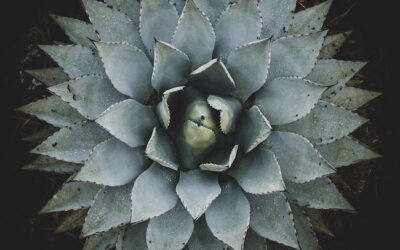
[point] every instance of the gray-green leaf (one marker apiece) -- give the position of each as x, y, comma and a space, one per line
163, 108
305, 233
202, 238
229, 109
73, 220
135, 237
104, 241
129, 7
220, 160
49, 76
212, 8
161, 150
332, 44
48, 164
254, 242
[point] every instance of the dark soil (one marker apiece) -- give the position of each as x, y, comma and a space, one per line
26, 23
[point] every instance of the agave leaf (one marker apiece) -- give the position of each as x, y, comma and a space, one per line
258, 172
112, 25
171, 230
194, 35
330, 72
163, 110
49, 76
232, 33
158, 19
41, 135
72, 196
229, 109
310, 19
153, 193
271, 217
305, 233
118, 243
202, 238
296, 96
220, 160
325, 123
171, 67
254, 242
317, 221
332, 44
179, 4
319, 194
295, 55
91, 95
74, 220
161, 150
113, 163
73, 144
135, 237
213, 78
48, 164
75, 60
298, 159
129, 121
54, 111
212, 8
197, 190
130, 7
229, 225
104, 240
128, 69
249, 66
79, 32
253, 129
276, 15
346, 151
348, 97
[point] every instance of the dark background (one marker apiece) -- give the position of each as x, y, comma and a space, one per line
369, 186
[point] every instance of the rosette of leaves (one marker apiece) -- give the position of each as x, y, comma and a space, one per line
198, 124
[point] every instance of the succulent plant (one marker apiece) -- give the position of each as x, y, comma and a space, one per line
198, 124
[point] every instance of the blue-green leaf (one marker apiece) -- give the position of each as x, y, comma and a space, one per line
229, 109
49, 76
161, 150
220, 160
202, 238
135, 237
305, 233
212, 8
104, 240
129, 7
48, 164
332, 45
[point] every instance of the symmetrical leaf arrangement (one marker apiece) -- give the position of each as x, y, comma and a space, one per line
198, 124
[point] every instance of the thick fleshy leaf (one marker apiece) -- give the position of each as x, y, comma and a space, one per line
49, 76
163, 108
202, 238
330, 72
153, 193
194, 35
197, 190
298, 159
271, 217
249, 66
296, 96
73, 220
171, 67
111, 208
346, 151
91, 95
135, 237
79, 32
158, 19
129, 7
253, 129
309, 20
325, 123
48, 164
128, 69
220, 160
40, 135
54, 111
239, 24
129, 121
320, 194
348, 97
105, 240
258, 172
72, 196
213, 78
332, 45
229, 109
73, 144
317, 221
112, 25
113, 163
171, 230
254, 242
229, 225
212, 8
276, 15
161, 150
305, 233
295, 55
75, 60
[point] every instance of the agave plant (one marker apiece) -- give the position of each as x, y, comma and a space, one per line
198, 124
